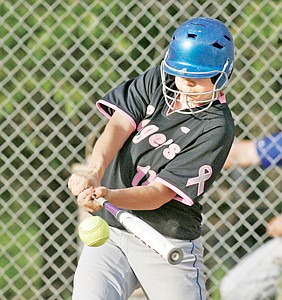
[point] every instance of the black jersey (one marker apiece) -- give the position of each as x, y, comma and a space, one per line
184, 152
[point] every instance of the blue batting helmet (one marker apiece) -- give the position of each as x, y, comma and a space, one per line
201, 48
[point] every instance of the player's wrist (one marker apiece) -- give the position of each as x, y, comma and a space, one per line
92, 173
97, 170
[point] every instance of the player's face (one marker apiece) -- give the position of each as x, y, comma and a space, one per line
194, 85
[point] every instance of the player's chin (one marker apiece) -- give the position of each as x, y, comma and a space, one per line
198, 98
191, 99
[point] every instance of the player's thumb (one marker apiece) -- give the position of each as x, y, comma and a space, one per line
100, 191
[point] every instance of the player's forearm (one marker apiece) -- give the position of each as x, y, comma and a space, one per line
102, 155
109, 143
148, 197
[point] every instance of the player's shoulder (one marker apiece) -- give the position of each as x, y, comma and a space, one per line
217, 114
153, 75
219, 120
154, 71
150, 80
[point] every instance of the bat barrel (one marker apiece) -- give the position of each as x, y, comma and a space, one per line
144, 232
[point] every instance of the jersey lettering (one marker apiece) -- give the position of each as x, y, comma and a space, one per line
145, 132
141, 173
152, 176
171, 151
157, 140
143, 124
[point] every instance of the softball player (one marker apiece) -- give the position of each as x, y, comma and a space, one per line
257, 275
168, 135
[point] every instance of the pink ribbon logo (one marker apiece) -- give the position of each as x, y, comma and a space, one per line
205, 173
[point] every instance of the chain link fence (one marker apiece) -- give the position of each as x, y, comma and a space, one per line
58, 57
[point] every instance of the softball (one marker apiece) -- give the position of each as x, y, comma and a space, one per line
94, 231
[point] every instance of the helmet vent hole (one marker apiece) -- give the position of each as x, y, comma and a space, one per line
217, 45
191, 35
227, 37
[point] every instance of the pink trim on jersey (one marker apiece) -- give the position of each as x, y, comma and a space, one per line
183, 197
221, 97
100, 104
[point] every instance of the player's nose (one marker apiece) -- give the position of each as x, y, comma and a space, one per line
189, 82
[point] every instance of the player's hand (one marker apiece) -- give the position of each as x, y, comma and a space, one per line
85, 200
79, 181
274, 227
102, 191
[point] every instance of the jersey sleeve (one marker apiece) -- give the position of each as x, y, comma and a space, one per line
132, 97
191, 173
269, 150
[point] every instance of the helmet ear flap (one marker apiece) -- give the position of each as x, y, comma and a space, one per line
221, 79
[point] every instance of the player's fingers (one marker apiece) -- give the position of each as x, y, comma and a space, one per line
85, 196
100, 192
85, 200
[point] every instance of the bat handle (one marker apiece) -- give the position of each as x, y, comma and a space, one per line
100, 200
111, 208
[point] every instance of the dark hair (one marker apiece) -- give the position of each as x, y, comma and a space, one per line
214, 78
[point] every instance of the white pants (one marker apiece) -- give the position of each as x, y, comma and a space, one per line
114, 270
256, 276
